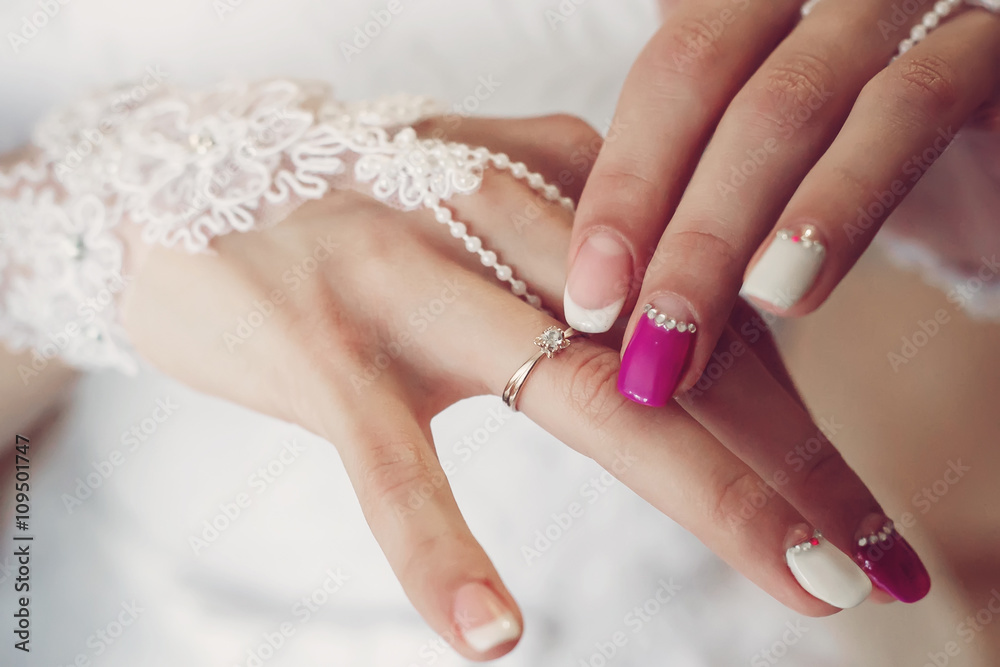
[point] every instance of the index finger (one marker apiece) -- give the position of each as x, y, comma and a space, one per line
671, 100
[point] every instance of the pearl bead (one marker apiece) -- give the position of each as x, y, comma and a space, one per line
534, 300
501, 160
504, 272
442, 215
488, 258
551, 192
942, 8
473, 244
918, 33
930, 20
535, 180
519, 169
905, 45
518, 287
457, 230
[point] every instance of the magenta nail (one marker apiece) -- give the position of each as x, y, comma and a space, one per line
890, 562
654, 359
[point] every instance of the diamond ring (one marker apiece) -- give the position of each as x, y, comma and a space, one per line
551, 341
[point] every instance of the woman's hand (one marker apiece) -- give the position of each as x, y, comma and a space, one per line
741, 124
362, 322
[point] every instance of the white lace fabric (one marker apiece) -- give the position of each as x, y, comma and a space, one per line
187, 167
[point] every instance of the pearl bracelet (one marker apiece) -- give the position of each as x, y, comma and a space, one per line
929, 21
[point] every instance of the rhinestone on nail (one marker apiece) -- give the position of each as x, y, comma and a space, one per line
661, 320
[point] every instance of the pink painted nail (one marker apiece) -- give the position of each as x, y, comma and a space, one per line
889, 560
654, 359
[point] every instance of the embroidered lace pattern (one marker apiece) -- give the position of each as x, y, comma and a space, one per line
190, 166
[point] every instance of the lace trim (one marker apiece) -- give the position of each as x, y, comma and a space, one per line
190, 166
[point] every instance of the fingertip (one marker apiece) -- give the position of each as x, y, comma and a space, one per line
598, 282
488, 625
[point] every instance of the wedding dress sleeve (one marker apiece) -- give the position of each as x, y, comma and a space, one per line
182, 167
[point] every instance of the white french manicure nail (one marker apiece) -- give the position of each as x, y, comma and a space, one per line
597, 284
484, 620
487, 637
827, 573
590, 320
787, 268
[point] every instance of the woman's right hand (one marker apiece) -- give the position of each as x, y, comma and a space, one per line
373, 320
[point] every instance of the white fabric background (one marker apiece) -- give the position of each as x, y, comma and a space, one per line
129, 540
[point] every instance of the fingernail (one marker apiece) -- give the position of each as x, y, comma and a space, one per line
824, 571
597, 284
654, 359
484, 621
889, 560
787, 269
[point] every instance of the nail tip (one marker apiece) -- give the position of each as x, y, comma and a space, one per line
894, 566
493, 635
590, 320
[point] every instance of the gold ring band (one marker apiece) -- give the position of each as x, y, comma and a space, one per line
552, 340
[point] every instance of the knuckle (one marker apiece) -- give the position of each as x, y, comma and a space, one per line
395, 469
926, 84
826, 469
790, 92
592, 386
627, 189
688, 46
739, 500
696, 247
576, 131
